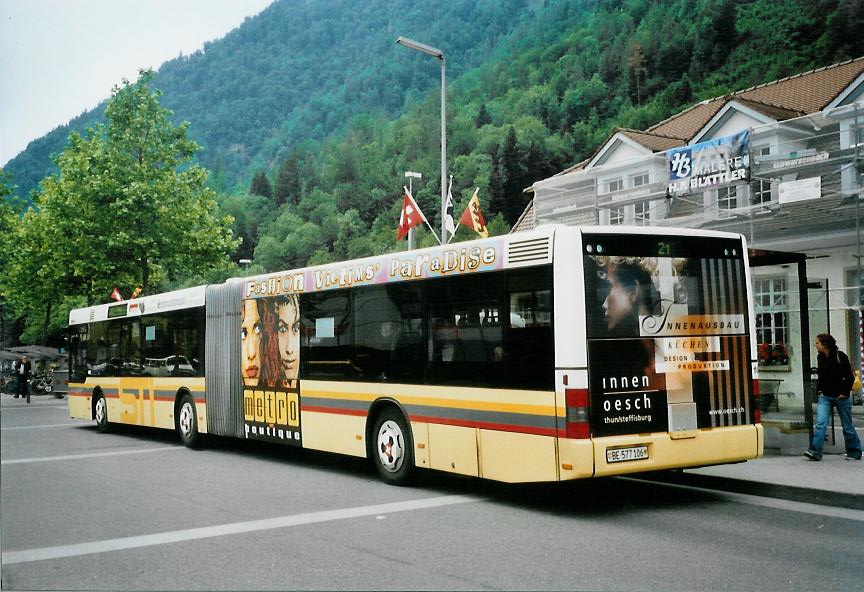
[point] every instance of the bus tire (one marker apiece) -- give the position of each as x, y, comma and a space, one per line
100, 412
393, 447
187, 422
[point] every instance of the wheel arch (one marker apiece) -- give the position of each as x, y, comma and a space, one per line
377, 407
178, 396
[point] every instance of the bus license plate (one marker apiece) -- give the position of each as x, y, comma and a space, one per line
614, 455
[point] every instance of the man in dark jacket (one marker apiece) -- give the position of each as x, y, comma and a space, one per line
22, 375
835, 382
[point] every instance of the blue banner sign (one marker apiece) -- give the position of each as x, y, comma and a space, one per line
708, 165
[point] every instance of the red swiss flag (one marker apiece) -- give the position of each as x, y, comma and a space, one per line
411, 216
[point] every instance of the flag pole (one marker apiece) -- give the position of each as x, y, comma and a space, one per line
447, 206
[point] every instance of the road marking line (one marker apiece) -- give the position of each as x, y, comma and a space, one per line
192, 534
16, 461
32, 406
52, 425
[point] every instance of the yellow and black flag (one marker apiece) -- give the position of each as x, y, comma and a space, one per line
472, 217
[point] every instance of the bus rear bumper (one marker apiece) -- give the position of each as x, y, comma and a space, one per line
710, 446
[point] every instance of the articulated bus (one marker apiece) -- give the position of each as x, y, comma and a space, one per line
557, 354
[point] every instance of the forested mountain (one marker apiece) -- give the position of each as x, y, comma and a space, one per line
315, 101
299, 70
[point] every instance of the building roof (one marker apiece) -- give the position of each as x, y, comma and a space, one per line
527, 220
654, 141
782, 99
795, 96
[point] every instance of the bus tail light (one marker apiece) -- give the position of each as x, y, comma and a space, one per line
578, 413
757, 402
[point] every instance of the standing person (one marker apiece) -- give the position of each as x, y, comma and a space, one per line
22, 375
834, 383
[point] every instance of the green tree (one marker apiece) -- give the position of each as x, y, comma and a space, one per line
483, 117
261, 185
8, 227
126, 209
288, 186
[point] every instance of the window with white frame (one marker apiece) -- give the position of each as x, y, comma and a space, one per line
642, 212
614, 185
772, 321
760, 192
727, 198
640, 179
616, 216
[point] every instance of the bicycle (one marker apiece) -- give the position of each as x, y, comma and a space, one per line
42, 383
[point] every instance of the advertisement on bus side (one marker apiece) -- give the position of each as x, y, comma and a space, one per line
270, 363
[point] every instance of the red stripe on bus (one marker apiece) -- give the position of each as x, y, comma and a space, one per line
501, 427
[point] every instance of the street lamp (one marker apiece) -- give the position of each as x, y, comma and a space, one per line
436, 53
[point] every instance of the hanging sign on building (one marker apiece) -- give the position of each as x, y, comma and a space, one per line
708, 165
800, 190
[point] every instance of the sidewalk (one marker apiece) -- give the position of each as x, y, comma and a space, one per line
784, 472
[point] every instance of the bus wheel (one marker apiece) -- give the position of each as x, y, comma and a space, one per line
100, 411
187, 422
393, 449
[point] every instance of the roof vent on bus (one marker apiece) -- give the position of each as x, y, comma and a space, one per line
529, 251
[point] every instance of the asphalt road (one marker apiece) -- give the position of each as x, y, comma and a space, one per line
134, 510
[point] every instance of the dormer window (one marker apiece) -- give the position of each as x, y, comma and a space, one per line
640, 179
614, 185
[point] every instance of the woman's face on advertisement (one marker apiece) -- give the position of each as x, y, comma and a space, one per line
619, 302
289, 339
250, 334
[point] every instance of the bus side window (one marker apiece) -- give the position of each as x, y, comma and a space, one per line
530, 337
326, 349
388, 333
467, 345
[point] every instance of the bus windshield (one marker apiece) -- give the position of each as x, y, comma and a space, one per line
668, 330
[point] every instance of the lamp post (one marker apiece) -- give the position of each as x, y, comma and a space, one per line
411, 175
436, 53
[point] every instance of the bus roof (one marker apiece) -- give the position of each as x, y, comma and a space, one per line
494, 253
167, 301
520, 249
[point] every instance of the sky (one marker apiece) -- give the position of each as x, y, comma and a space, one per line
59, 58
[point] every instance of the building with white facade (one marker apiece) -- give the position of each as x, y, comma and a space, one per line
799, 191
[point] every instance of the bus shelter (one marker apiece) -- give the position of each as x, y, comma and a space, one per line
761, 258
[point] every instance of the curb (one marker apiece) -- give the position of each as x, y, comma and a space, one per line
785, 492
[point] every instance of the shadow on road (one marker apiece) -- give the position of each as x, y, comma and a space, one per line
587, 497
